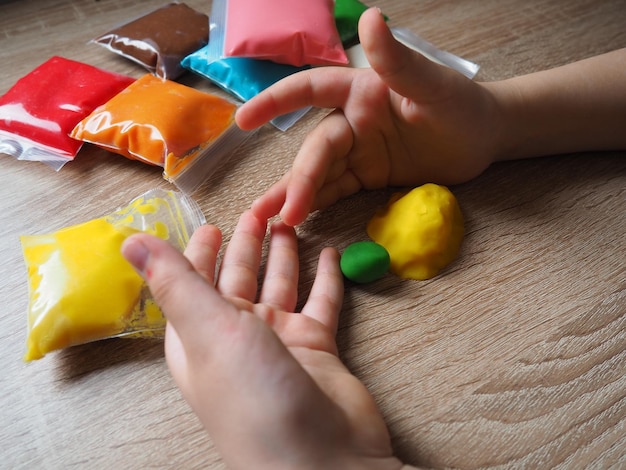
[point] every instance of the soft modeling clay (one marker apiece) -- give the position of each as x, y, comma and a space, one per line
82, 289
284, 31
364, 262
161, 39
422, 230
168, 124
42, 108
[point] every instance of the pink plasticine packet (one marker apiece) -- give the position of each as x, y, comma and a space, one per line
285, 31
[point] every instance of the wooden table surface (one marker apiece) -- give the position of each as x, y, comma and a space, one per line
514, 357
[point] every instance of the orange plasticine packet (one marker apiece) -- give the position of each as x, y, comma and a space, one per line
164, 123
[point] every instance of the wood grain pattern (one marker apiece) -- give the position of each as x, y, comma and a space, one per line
515, 357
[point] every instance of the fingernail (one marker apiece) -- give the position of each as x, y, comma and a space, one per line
136, 253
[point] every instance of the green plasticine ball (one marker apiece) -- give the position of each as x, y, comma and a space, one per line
364, 262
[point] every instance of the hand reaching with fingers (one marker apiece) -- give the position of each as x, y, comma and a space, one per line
406, 120
267, 384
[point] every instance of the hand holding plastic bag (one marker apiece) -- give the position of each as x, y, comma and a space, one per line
81, 289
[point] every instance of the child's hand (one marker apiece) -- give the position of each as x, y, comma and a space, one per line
266, 383
404, 122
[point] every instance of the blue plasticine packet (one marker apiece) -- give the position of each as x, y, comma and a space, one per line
244, 78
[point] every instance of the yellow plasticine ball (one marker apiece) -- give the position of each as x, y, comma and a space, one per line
422, 230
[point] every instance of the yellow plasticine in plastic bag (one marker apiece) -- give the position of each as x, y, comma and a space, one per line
82, 289
422, 230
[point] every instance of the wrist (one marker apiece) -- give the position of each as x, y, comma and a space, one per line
509, 129
573, 108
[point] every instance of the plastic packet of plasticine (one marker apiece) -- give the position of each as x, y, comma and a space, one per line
81, 288
244, 78
357, 57
159, 40
188, 173
284, 31
167, 124
39, 111
347, 14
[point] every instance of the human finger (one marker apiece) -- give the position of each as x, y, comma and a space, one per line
405, 71
176, 357
280, 282
192, 305
332, 191
238, 274
329, 142
202, 250
271, 202
326, 297
324, 87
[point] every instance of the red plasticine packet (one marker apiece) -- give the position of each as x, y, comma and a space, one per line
41, 109
284, 31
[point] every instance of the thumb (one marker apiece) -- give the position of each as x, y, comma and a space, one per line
405, 71
190, 304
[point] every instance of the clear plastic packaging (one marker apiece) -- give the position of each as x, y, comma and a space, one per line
189, 173
81, 289
159, 40
419, 44
357, 58
37, 114
164, 123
